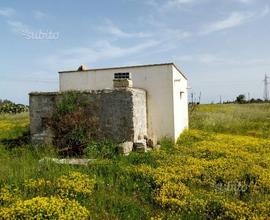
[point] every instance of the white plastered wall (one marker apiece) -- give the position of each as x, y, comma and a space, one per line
156, 80
180, 101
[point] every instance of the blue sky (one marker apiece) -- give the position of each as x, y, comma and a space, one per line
221, 45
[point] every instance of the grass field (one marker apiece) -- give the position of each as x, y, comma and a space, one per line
13, 126
219, 169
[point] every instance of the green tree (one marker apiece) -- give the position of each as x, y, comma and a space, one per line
241, 99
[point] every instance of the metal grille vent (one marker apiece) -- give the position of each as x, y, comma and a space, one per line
122, 75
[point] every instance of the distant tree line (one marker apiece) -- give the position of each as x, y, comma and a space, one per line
9, 107
241, 99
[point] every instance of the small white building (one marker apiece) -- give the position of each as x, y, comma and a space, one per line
165, 84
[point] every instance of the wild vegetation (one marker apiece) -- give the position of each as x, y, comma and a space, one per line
74, 123
219, 169
7, 106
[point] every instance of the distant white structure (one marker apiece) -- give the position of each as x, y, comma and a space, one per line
166, 86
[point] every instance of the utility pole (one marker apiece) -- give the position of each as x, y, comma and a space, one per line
200, 96
220, 99
266, 83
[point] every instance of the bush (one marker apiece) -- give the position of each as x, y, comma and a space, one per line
74, 122
8, 194
73, 185
8, 107
45, 208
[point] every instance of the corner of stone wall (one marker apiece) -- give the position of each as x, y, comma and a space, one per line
122, 113
41, 107
139, 114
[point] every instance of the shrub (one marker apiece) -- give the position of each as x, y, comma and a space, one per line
74, 122
172, 193
9, 107
45, 208
214, 209
73, 185
9, 194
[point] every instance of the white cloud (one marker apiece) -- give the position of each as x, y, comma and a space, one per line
265, 11
39, 14
166, 5
7, 12
178, 3
151, 2
235, 19
114, 30
14, 25
207, 58
184, 58
246, 1
29, 32
221, 60
199, 58
17, 26
101, 51
169, 39
170, 3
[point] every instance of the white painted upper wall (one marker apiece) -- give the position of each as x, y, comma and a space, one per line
180, 102
166, 113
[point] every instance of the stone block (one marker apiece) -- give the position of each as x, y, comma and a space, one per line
42, 138
70, 161
122, 83
125, 148
140, 146
151, 142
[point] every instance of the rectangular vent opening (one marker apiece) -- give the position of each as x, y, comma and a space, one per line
122, 75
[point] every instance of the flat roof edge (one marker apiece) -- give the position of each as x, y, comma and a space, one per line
184, 75
123, 67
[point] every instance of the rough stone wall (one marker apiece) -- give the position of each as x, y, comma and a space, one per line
41, 106
139, 114
121, 113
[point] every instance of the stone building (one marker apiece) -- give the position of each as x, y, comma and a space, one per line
134, 101
121, 112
